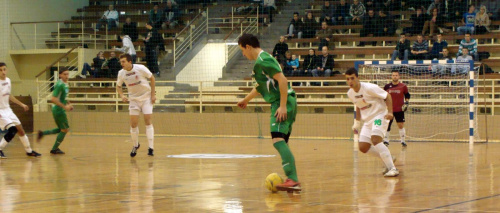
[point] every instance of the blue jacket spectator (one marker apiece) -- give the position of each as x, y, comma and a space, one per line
468, 21
437, 47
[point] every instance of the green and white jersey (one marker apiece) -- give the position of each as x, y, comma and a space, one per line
61, 91
266, 66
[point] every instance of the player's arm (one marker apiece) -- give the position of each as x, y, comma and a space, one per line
16, 101
119, 89
244, 102
281, 113
357, 122
153, 89
388, 103
358, 114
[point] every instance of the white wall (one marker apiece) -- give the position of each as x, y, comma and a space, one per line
206, 65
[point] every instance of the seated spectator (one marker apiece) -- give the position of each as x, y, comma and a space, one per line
418, 21
385, 24
112, 64
470, 44
433, 22
110, 17
156, 16
295, 27
327, 12
482, 22
294, 64
310, 63
324, 35
369, 27
280, 48
456, 10
268, 7
437, 4
420, 49
438, 46
445, 55
440, 68
464, 57
95, 70
287, 67
341, 14
171, 14
324, 65
402, 49
310, 26
357, 11
127, 47
468, 22
130, 29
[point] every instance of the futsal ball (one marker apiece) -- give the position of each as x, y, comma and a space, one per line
272, 180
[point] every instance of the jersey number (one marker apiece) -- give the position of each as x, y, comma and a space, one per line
378, 122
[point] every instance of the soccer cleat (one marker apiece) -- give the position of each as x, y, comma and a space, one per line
289, 185
386, 143
57, 152
39, 136
392, 173
2, 155
150, 152
403, 144
134, 150
33, 154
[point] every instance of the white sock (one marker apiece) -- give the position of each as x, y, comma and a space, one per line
386, 138
26, 143
134, 133
373, 152
385, 154
3, 143
150, 134
402, 133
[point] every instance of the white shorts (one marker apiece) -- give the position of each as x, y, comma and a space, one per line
7, 117
136, 107
376, 126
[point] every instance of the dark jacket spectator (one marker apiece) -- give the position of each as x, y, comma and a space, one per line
171, 15
385, 24
438, 46
369, 27
370, 5
324, 35
418, 21
310, 61
420, 48
130, 29
310, 26
295, 27
327, 12
280, 48
156, 16
325, 64
402, 49
113, 66
433, 22
151, 40
456, 10
342, 13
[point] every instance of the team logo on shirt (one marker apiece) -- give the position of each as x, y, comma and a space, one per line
358, 96
136, 83
6, 83
129, 74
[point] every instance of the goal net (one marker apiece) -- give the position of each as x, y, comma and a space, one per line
443, 98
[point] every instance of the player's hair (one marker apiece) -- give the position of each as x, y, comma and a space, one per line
296, 13
63, 69
3, 64
127, 56
248, 39
467, 33
351, 71
420, 35
395, 71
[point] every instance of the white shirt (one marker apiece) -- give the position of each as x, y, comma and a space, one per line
136, 81
111, 14
5, 88
128, 46
370, 99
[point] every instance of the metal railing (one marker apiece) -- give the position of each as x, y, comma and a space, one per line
192, 33
247, 24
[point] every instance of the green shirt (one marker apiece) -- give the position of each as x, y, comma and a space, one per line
61, 91
264, 69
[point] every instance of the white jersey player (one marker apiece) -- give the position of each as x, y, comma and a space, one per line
9, 120
374, 107
141, 97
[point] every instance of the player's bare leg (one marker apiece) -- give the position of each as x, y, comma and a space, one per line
134, 134
402, 133
150, 133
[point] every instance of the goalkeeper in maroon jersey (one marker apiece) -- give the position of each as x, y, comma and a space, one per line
400, 97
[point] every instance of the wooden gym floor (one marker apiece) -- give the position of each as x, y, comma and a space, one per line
98, 175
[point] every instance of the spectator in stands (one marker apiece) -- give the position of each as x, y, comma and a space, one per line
370, 5
310, 63
468, 22
156, 16
152, 40
280, 48
456, 10
325, 64
385, 24
357, 11
369, 27
110, 17
324, 35
327, 12
342, 13
402, 48
294, 63
295, 27
438, 46
127, 47
130, 29
172, 14
268, 7
445, 55
112, 64
470, 44
418, 21
482, 21
310, 26
95, 70
420, 49
437, 4
464, 56
433, 22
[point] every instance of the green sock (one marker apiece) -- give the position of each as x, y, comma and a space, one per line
59, 140
287, 160
51, 132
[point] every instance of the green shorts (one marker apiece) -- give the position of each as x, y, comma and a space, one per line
284, 127
60, 118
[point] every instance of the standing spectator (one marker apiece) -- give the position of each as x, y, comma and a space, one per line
456, 10
324, 35
152, 40
310, 26
280, 48
310, 63
295, 27
468, 22
130, 29
438, 46
327, 12
342, 13
156, 16
357, 11
172, 14
464, 57
420, 49
402, 49
113, 66
418, 21
433, 22
369, 27
269, 7
127, 47
385, 24
470, 44
110, 17
325, 64
482, 21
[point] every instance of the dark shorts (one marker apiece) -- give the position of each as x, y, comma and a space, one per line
400, 118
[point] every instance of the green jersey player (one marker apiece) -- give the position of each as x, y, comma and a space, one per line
270, 82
